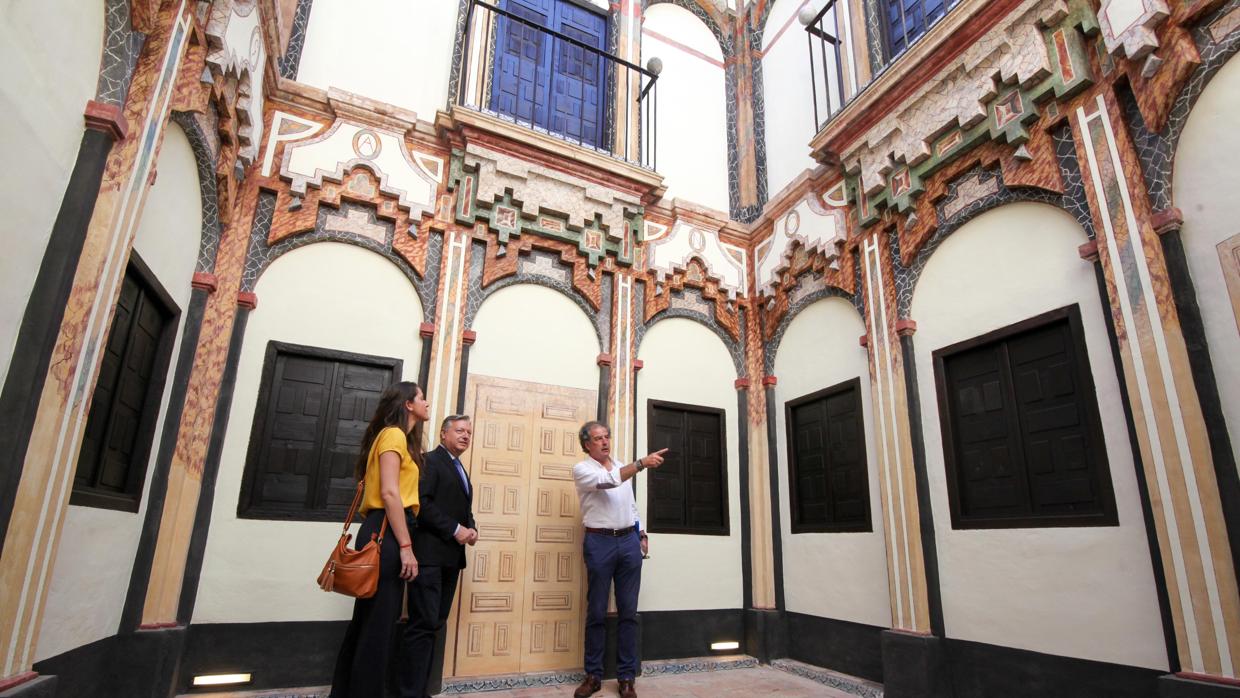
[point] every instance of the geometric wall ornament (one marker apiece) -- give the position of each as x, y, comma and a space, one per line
1128, 26
286, 127
672, 252
410, 176
236, 49
819, 224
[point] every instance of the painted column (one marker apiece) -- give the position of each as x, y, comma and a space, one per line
906, 570
51, 457
624, 367
1170, 431
628, 47
445, 347
761, 542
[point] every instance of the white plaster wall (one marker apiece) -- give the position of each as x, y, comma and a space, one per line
394, 51
560, 346
49, 60
692, 121
328, 295
97, 546
1080, 592
687, 363
1205, 187
832, 575
787, 100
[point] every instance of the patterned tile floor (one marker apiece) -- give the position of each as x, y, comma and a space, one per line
736, 683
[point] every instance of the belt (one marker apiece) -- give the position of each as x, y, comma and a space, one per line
613, 532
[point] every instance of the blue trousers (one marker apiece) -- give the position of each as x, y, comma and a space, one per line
608, 559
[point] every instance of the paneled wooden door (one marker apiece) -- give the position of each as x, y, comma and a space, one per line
521, 605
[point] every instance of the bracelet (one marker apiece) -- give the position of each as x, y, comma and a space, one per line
640, 465
407, 545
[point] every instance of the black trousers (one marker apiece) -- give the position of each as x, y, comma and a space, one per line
362, 666
430, 602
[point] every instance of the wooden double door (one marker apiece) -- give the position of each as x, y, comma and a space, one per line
521, 603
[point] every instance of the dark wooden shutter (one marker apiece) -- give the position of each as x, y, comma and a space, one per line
1022, 437
314, 406
830, 488
120, 426
688, 493
907, 20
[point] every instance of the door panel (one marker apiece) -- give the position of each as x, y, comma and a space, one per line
522, 601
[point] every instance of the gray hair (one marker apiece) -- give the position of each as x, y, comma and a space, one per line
452, 419
584, 434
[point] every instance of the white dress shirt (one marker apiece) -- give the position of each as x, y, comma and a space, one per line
605, 503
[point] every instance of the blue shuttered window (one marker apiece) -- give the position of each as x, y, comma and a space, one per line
548, 82
907, 20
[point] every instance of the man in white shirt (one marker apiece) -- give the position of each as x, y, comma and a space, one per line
613, 548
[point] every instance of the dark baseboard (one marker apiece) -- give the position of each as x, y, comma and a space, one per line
850, 648
980, 670
682, 634
277, 655
915, 666
1172, 686
39, 687
136, 665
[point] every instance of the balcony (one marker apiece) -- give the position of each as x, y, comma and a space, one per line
559, 86
862, 66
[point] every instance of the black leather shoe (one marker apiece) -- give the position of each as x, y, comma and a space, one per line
589, 686
626, 689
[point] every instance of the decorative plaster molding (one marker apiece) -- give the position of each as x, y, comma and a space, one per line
820, 225
671, 253
1013, 53
236, 49
540, 188
286, 127
1128, 26
411, 176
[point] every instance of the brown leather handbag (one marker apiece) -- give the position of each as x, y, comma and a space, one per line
353, 572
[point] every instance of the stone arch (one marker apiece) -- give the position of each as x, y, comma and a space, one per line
772, 346
735, 349
207, 186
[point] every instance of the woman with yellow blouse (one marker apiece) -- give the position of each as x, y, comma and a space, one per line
389, 463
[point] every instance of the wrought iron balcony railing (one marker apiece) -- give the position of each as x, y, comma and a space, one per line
901, 25
559, 83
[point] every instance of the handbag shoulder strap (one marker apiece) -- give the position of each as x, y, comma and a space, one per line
357, 500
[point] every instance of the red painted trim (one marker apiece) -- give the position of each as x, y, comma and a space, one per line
1167, 221
17, 680
906, 328
864, 340
784, 28
676, 44
107, 118
1208, 678
769, 381
603, 359
972, 30
468, 337
1089, 251
247, 299
427, 330
203, 280
158, 626
741, 383
638, 365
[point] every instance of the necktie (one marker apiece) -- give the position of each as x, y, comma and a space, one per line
460, 470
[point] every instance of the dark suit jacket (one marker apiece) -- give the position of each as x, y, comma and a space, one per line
444, 504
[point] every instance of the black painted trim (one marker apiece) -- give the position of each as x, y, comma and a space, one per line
210, 470
135, 479
45, 310
1143, 490
983, 671
1192, 326
772, 461
839, 645
278, 655
139, 578
680, 634
794, 508
136, 665
424, 367
925, 512
742, 411
604, 391
461, 380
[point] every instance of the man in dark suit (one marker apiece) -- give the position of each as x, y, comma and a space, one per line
445, 527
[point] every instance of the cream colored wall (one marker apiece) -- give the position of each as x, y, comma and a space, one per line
687, 363
692, 124
394, 51
328, 295
1081, 592
787, 100
97, 546
833, 575
50, 51
559, 348
1205, 187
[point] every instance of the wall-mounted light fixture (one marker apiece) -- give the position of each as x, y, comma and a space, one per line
728, 645
221, 679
